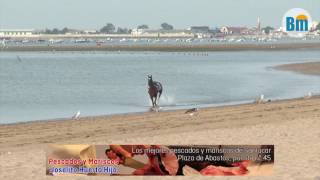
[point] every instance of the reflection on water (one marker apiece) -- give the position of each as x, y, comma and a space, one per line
38, 85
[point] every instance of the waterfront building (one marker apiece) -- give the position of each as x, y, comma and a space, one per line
16, 32
234, 30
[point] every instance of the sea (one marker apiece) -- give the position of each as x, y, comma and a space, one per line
56, 85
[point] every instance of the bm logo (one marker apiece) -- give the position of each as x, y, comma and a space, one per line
300, 23
296, 22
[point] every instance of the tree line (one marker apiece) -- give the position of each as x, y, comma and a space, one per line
109, 28
56, 31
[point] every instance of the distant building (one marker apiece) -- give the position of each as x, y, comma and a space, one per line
16, 32
137, 32
90, 31
278, 32
76, 31
259, 25
199, 29
314, 25
234, 30
160, 33
256, 31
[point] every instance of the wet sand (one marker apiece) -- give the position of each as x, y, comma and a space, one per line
309, 68
168, 47
291, 125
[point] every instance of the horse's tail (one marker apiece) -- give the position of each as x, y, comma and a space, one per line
159, 89
160, 92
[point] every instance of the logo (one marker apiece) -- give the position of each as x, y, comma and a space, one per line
296, 22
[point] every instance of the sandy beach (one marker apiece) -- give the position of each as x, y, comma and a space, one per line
291, 125
311, 68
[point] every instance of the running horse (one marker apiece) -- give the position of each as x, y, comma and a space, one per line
155, 90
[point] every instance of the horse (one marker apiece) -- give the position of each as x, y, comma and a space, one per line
155, 90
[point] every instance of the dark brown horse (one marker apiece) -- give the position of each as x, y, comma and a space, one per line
155, 90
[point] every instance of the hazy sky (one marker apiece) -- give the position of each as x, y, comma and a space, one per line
93, 14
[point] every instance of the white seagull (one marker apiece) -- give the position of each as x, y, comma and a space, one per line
308, 96
260, 99
76, 116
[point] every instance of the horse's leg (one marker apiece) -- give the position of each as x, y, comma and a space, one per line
155, 101
151, 100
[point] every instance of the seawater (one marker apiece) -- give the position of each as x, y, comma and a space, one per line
50, 85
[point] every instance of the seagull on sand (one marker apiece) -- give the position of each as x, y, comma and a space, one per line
308, 96
192, 111
76, 116
260, 99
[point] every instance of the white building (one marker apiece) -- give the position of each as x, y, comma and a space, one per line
161, 33
16, 32
234, 30
90, 31
137, 32
314, 25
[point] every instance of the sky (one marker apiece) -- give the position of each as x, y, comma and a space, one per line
93, 14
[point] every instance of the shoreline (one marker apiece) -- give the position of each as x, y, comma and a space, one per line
147, 113
224, 105
168, 47
200, 106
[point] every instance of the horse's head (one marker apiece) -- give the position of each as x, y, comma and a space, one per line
150, 81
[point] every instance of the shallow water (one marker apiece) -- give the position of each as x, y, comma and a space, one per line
48, 85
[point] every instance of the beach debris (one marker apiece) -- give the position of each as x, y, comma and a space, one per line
260, 99
192, 111
9, 153
308, 96
76, 116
